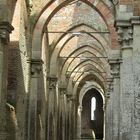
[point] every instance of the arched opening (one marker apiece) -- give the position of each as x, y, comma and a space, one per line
93, 108
92, 117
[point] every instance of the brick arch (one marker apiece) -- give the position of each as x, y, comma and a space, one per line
80, 50
79, 67
77, 52
87, 62
82, 27
85, 88
101, 41
54, 56
92, 60
90, 70
100, 82
85, 28
87, 65
50, 10
99, 96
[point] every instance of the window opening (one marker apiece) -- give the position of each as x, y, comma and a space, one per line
93, 108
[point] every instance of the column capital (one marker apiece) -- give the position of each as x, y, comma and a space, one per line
108, 94
71, 97
5, 29
36, 67
110, 79
63, 90
125, 32
52, 79
109, 86
30, 5
115, 67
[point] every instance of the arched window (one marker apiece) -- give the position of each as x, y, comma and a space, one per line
93, 108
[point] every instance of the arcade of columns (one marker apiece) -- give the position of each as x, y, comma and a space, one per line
66, 48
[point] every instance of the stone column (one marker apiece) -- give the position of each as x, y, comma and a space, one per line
79, 113
74, 99
52, 107
69, 95
115, 72
62, 111
5, 30
125, 32
36, 68
107, 118
108, 109
72, 117
66, 114
136, 67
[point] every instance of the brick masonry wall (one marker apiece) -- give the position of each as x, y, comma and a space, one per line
13, 51
126, 1
135, 3
136, 7
23, 74
70, 16
74, 14
18, 68
13, 61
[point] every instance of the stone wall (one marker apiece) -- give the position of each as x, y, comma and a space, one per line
18, 68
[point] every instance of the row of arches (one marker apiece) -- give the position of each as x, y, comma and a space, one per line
74, 40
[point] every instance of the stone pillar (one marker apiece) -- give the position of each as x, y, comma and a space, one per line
74, 99
136, 68
72, 117
108, 109
125, 32
79, 113
52, 107
62, 112
36, 68
69, 95
5, 30
66, 115
115, 72
107, 119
